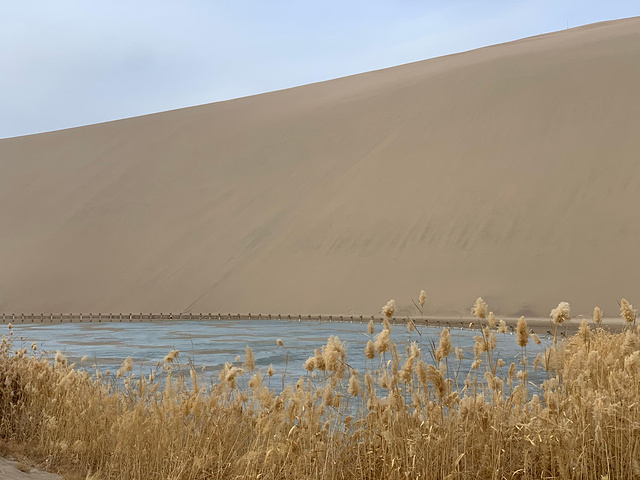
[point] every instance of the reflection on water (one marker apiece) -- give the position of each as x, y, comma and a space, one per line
211, 343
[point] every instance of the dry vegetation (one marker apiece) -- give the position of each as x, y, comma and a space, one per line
405, 417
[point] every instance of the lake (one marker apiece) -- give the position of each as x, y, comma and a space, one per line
211, 343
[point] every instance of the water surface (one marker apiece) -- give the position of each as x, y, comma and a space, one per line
211, 343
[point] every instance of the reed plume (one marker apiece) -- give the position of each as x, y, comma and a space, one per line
60, 359
383, 341
627, 312
126, 366
370, 350
597, 316
171, 356
561, 313
523, 332
479, 309
444, 346
491, 320
249, 359
370, 327
502, 326
389, 308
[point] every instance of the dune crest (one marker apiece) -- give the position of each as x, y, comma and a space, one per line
510, 172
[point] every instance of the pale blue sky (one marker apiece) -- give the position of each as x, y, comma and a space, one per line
68, 63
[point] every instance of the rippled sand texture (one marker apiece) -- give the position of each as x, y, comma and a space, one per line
509, 172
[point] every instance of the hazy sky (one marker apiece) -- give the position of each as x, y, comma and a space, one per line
67, 63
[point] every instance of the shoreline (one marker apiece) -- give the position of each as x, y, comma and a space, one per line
539, 325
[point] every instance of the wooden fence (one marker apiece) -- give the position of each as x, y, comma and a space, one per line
138, 317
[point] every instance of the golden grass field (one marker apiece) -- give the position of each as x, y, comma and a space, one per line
411, 414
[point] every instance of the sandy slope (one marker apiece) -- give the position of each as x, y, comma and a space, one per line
511, 172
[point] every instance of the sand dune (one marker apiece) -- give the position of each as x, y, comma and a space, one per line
510, 172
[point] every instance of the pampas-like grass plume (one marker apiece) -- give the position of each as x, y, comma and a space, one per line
60, 359
335, 355
627, 312
491, 320
583, 331
383, 341
422, 298
535, 338
355, 388
389, 309
310, 364
370, 327
370, 350
479, 310
250, 359
171, 356
523, 333
561, 313
444, 347
229, 374
319, 360
126, 366
597, 316
502, 326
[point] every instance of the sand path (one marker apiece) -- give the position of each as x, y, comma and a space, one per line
9, 471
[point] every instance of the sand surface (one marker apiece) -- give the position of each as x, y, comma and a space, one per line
12, 470
510, 172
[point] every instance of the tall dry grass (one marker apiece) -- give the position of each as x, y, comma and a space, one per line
404, 417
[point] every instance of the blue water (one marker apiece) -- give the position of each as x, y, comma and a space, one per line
211, 343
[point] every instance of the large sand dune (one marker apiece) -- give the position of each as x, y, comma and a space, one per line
510, 172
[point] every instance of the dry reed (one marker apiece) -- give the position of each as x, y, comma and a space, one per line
405, 417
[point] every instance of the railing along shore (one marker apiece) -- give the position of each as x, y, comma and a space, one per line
539, 325
117, 317
130, 317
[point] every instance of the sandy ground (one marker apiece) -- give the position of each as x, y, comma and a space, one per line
9, 471
509, 172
